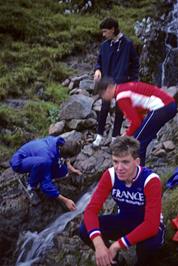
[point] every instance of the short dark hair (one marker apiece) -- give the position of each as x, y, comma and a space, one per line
125, 145
70, 148
102, 84
110, 23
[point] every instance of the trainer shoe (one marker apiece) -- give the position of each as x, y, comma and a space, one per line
113, 139
97, 141
34, 199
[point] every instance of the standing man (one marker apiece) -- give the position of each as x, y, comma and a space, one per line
145, 106
41, 158
137, 192
118, 60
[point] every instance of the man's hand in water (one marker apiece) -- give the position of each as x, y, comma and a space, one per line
70, 205
68, 202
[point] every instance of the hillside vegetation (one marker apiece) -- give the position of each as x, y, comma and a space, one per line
35, 37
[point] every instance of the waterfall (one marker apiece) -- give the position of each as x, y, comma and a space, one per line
171, 43
35, 244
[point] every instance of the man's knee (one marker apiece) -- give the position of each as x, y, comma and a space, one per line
83, 234
82, 231
42, 163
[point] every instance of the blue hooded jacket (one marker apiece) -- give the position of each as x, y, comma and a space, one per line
47, 148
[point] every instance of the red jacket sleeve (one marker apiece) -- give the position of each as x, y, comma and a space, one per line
150, 225
91, 212
131, 114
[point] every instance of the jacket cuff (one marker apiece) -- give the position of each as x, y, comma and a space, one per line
94, 233
124, 242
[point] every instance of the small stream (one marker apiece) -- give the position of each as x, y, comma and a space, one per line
32, 245
171, 42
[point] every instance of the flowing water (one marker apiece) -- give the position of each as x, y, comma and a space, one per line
33, 245
171, 31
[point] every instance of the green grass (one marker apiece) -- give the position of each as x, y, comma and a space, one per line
21, 125
56, 93
35, 39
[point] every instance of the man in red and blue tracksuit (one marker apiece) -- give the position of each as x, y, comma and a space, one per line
139, 221
41, 158
146, 107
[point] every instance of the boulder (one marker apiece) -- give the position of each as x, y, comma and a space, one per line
57, 128
76, 80
87, 84
77, 107
66, 82
92, 162
79, 91
169, 145
81, 124
72, 136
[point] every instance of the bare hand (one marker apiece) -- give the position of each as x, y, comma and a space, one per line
102, 253
77, 172
97, 75
114, 248
73, 169
103, 256
70, 204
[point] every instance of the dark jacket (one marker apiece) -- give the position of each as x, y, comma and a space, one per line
118, 60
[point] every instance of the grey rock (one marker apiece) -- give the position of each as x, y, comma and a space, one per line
173, 91
66, 82
71, 85
57, 128
79, 91
168, 145
77, 107
93, 162
76, 80
72, 136
87, 84
81, 124
97, 105
16, 103
159, 152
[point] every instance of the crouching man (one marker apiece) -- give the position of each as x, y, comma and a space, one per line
137, 193
42, 159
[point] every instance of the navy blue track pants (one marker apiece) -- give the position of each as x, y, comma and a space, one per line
151, 125
41, 171
114, 226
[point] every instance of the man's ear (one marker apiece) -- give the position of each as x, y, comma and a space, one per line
138, 160
113, 30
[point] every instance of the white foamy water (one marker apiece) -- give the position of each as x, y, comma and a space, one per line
171, 28
35, 244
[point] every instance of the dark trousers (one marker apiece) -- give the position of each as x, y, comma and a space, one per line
105, 107
41, 171
114, 226
151, 125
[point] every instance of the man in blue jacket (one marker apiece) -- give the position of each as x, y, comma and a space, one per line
118, 60
41, 158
